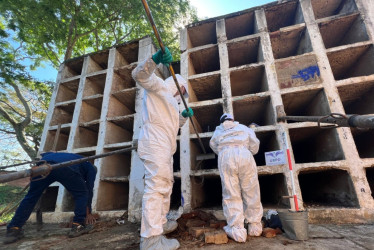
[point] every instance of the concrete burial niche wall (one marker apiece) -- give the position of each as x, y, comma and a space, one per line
314, 57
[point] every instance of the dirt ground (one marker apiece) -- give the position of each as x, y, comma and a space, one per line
109, 235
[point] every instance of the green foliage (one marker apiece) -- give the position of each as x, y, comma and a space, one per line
59, 30
7, 195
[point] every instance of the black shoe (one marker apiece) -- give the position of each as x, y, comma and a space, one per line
13, 234
79, 229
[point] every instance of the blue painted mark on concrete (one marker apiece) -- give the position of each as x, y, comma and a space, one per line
307, 73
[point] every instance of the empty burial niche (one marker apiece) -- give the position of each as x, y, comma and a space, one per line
249, 80
203, 61
343, 30
313, 144
196, 150
49, 197
62, 140
268, 142
205, 88
327, 188
206, 118
176, 158
112, 196
364, 142
67, 91
117, 165
94, 85
68, 203
87, 154
358, 98
352, 62
206, 192
323, 8
283, 15
118, 132
91, 109
272, 188
241, 25
127, 54
176, 195
306, 103
257, 109
122, 102
200, 35
98, 62
63, 114
291, 42
244, 52
370, 178
86, 137
72, 68
122, 78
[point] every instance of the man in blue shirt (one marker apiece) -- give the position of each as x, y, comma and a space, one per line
78, 179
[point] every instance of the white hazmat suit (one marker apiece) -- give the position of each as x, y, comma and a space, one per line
235, 145
156, 146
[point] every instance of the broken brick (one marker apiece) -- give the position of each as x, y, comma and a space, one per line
198, 231
216, 237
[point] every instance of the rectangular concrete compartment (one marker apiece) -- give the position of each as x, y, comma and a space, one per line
48, 202
248, 80
175, 198
196, 150
257, 109
306, 103
327, 188
325, 8
206, 192
127, 54
126, 97
244, 52
343, 31
72, 68
370, 178
240, 25
358, 98
122, 78
206, 118
67, 91
98, 62
63, 114
204, 61
62, 141
352, 61
312, 144
283, 15
201, 35
268, 142
272, 188
204, 88
116, 166
91, 109
291, 42
118, 132
364, 142
94, 85
112, 196
86, 136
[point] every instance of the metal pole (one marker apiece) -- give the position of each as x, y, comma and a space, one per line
45, 169
171, 70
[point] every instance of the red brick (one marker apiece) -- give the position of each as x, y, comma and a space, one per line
216, 237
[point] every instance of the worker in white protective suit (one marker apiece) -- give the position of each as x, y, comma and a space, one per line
235, 145
156, 146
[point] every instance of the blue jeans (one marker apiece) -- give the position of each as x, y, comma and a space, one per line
70, 179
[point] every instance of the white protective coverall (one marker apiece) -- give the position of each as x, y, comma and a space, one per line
157, 144
235, 145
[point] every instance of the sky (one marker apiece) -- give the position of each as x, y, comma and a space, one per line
205, 9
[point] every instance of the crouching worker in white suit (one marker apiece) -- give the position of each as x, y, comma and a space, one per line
156, 146
235, 145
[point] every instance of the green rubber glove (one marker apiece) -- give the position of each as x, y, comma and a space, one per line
187, 113
164, 58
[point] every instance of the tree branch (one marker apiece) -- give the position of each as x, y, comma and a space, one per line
7, 116
27, 119
13, 109
7, 131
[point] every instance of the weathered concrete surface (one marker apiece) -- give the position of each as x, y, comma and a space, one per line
109, 235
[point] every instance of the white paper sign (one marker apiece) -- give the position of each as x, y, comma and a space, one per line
275, 158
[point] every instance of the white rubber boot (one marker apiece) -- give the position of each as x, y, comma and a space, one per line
158, 242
